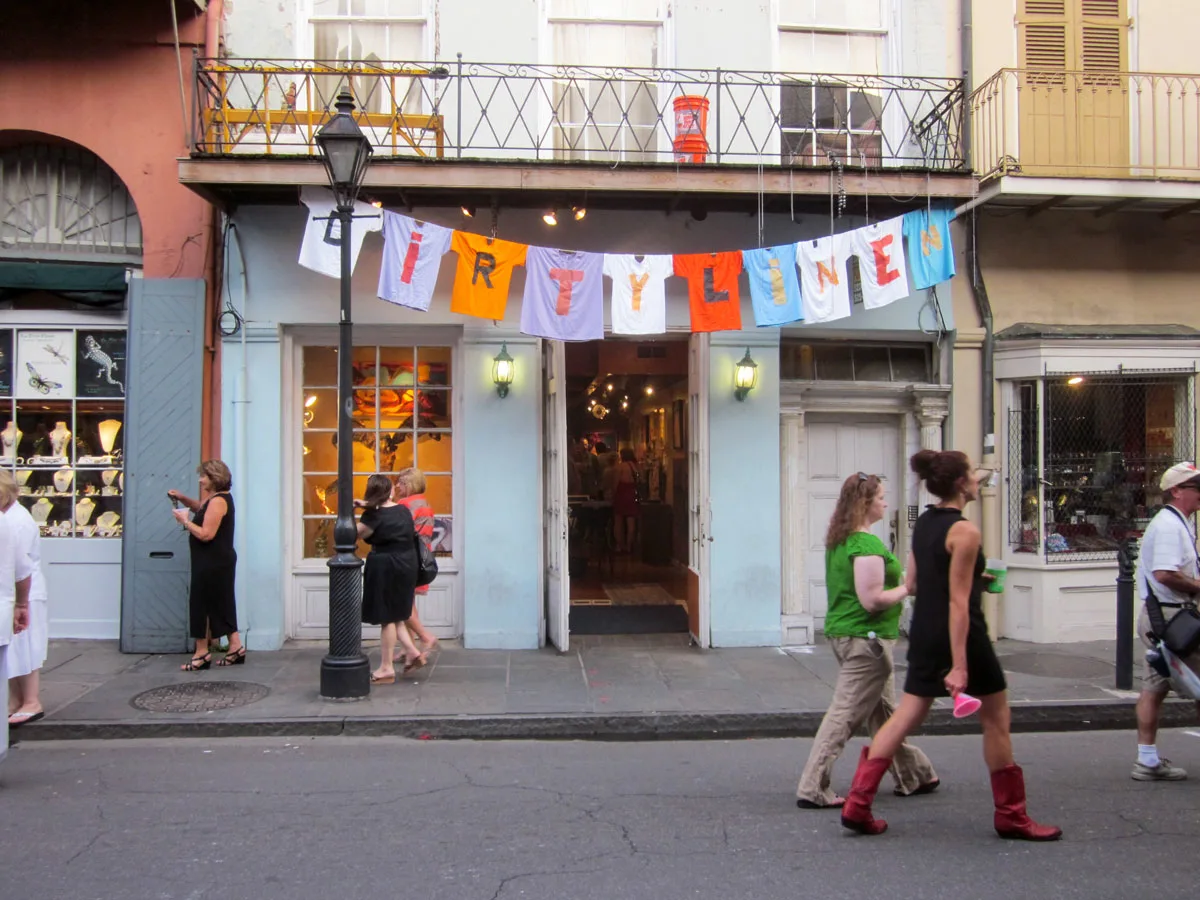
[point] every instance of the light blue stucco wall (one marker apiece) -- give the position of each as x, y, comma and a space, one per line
745, 572
252, 447
502, 524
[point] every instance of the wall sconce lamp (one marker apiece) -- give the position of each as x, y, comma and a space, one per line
745, 376
503, 369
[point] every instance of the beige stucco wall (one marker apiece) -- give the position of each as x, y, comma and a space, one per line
994, 36
1162, 35
1072, 267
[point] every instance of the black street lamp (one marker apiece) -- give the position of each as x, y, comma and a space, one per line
345, 670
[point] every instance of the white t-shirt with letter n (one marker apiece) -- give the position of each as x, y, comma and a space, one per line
1167, 545
321, 249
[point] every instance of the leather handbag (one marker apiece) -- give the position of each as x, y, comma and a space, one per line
427, 567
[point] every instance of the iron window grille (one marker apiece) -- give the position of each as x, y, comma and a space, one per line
835, 361
1086, 453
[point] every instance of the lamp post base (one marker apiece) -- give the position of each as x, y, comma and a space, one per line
345, 677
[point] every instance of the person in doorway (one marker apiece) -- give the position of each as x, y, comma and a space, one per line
625, 501
1167, 567
949, 652
27, 651
410, 492
866, 591
389, 576
16, 580
212, 609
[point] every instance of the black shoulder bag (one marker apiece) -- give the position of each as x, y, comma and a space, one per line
1182, 633
427, 567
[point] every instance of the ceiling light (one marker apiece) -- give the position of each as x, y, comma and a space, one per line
551, 217
579, 212
310, 400
468, 210
649, 390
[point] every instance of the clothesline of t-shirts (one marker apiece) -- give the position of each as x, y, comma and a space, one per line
807, 281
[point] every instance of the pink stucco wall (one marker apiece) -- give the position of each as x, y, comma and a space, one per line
105, 76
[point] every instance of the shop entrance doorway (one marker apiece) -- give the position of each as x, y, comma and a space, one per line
622, 446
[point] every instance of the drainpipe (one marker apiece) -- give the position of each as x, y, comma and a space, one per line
213, 16
988, 501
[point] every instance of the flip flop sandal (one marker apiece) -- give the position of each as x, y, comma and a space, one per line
24, 718
383, 679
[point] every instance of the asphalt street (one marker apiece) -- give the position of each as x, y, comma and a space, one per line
385, 817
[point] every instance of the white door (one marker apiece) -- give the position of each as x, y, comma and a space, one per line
699, 505
835, 450
554, 492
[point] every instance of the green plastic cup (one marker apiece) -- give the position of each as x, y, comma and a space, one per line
997, 569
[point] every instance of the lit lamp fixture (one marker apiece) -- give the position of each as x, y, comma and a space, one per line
309, 402
649, 390
1075, 380
503, 370
745, 376
468, 210
550, 217
108, 434
579, 212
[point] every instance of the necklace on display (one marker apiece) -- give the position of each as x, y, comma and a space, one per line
41, 511
83, 511
10, 439
63, 479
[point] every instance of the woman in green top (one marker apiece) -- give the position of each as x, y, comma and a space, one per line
865, 587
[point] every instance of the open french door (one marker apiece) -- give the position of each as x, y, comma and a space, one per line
699, 505
554, 493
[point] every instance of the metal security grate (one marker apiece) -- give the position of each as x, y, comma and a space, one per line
1105, 441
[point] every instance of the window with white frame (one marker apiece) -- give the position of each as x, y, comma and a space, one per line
371, 31
599, 117
1085, 454
827, 119
403, 417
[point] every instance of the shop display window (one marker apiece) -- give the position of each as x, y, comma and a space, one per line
1085, 455
62, 408
403, 416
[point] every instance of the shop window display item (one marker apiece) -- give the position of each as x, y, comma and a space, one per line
10, 439
60, 440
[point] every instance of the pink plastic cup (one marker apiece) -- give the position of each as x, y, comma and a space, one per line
965, 705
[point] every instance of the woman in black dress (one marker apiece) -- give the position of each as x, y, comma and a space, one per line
949, 652
211, 608
390, 575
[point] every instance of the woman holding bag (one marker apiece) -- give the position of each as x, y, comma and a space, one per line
390, 574
410, 492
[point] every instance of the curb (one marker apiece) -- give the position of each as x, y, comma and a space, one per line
648, 726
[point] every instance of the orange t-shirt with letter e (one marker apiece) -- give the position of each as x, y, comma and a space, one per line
485, 268
713, 289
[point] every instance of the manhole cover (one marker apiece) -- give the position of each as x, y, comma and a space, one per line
199, 696
1056, 665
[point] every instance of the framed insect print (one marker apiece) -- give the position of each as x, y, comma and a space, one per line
45, 365
100, 363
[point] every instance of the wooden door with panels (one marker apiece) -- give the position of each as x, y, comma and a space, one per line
1073, 95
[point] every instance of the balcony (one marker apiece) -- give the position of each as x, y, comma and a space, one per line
1088, 138
436, 124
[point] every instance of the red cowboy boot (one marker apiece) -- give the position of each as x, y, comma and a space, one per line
856, 814
1008, 789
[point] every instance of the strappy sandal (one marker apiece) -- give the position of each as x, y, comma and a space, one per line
198, 663
233, 658
417, 663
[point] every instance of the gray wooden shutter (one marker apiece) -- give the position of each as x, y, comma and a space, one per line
162, 451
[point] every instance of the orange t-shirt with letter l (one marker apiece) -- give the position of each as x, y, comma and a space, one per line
712, 289
485, 268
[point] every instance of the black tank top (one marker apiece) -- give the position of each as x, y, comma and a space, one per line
931, 610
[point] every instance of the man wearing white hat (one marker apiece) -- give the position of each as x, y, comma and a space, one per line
16, 576
1168, 567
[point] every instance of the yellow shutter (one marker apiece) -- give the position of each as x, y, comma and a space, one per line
1044, 34
1103, 36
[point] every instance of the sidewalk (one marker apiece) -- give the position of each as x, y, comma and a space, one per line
606, 688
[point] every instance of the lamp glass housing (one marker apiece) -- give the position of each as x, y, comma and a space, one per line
745, 376
503, 370
345, 151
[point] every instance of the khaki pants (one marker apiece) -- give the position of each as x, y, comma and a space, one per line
864, 693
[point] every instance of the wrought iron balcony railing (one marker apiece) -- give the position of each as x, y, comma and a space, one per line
560, 113
1086, 124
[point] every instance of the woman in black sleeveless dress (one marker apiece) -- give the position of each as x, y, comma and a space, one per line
212, 610
390, 575
949, 652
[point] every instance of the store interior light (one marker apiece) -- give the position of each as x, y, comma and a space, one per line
310, 401
1074, 380
649, 390
550, 217
608, 387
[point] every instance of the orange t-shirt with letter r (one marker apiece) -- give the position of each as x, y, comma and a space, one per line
713, 289
484, 272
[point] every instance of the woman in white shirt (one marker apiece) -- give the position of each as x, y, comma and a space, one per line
27, 651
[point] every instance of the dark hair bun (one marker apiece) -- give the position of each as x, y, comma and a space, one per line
923, 463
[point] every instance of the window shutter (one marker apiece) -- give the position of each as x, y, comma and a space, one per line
1103, 36
1043, 29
